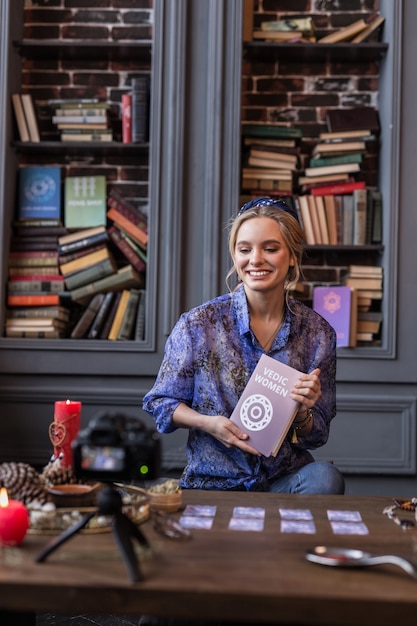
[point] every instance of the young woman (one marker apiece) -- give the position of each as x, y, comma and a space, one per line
214, 348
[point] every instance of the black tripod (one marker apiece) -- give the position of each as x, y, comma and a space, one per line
109, 502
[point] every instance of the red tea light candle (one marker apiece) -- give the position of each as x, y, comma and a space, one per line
65, 428
14, 520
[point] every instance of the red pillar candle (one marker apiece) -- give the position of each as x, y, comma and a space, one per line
65, 428
14, 520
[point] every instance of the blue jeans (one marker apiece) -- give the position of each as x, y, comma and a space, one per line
318, 477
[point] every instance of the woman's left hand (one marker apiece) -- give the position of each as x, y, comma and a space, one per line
307, 390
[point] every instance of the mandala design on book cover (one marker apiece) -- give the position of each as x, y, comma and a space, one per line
256, 412
332, 302
39, 188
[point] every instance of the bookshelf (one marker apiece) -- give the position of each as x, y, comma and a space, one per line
299, 60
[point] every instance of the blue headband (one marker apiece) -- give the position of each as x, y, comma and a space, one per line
277, 204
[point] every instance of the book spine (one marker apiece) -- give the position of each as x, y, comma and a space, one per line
100, 318
128, 323
127, 118
30, 115
20, 118
20, 286
118, 318
84, 262
104, 332
125, 249
91, 274
136, 233
341, 189
140, 99
35, 334
140, 317
359, 217
33, 300
79, 244
83, 325
73, 256
125, 278
130, 212
56, 312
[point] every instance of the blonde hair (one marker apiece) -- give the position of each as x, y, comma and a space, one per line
292, 234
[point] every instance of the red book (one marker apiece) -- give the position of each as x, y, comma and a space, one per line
33, 300
35, 277
340, 189
265, 410
127, 118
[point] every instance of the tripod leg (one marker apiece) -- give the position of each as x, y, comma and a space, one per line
123, 530
63, 537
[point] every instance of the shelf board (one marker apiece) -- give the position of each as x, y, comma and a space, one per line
81, 147
138, 50
306, 52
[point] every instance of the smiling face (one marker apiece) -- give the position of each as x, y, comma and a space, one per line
261, 256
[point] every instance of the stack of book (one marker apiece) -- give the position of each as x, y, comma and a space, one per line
368, 282
82, 120
287, 30
271, 158
357, 32
36, 293
128, 230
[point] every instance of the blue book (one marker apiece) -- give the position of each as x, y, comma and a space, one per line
338, 305
39, 195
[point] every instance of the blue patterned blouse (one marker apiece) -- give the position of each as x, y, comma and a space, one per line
209, 357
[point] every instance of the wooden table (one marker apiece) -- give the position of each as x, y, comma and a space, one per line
261, 577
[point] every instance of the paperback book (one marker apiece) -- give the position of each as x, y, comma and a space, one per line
85, 201
265, 410
39, 194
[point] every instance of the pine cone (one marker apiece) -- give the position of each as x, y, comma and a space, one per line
22, 482
55, 473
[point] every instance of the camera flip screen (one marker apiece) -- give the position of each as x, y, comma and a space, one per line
102, 458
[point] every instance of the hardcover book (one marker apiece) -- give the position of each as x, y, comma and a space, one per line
265, 410
338, 305
85, 201
39, 195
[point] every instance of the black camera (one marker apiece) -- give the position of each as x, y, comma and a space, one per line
115, 447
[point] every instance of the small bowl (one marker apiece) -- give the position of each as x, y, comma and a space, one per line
169, 502
77, 495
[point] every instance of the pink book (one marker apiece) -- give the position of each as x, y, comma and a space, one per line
265, 410
337, 305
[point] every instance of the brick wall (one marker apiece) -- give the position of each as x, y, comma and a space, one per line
100, 75
299, 93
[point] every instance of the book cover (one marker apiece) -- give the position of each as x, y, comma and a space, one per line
306, 220
89, 241
347, 212
330, 209
33, 300
33, 286
265, 410
312, 209
55, 312
337, 305
85, 201
39, 192
20, 118
79, 135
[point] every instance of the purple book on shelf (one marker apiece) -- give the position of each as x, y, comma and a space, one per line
336, 305
265, 410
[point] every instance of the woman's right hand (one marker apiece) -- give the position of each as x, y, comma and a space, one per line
230, 435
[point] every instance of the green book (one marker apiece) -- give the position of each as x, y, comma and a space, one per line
336, 160
266, 130
85, 201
